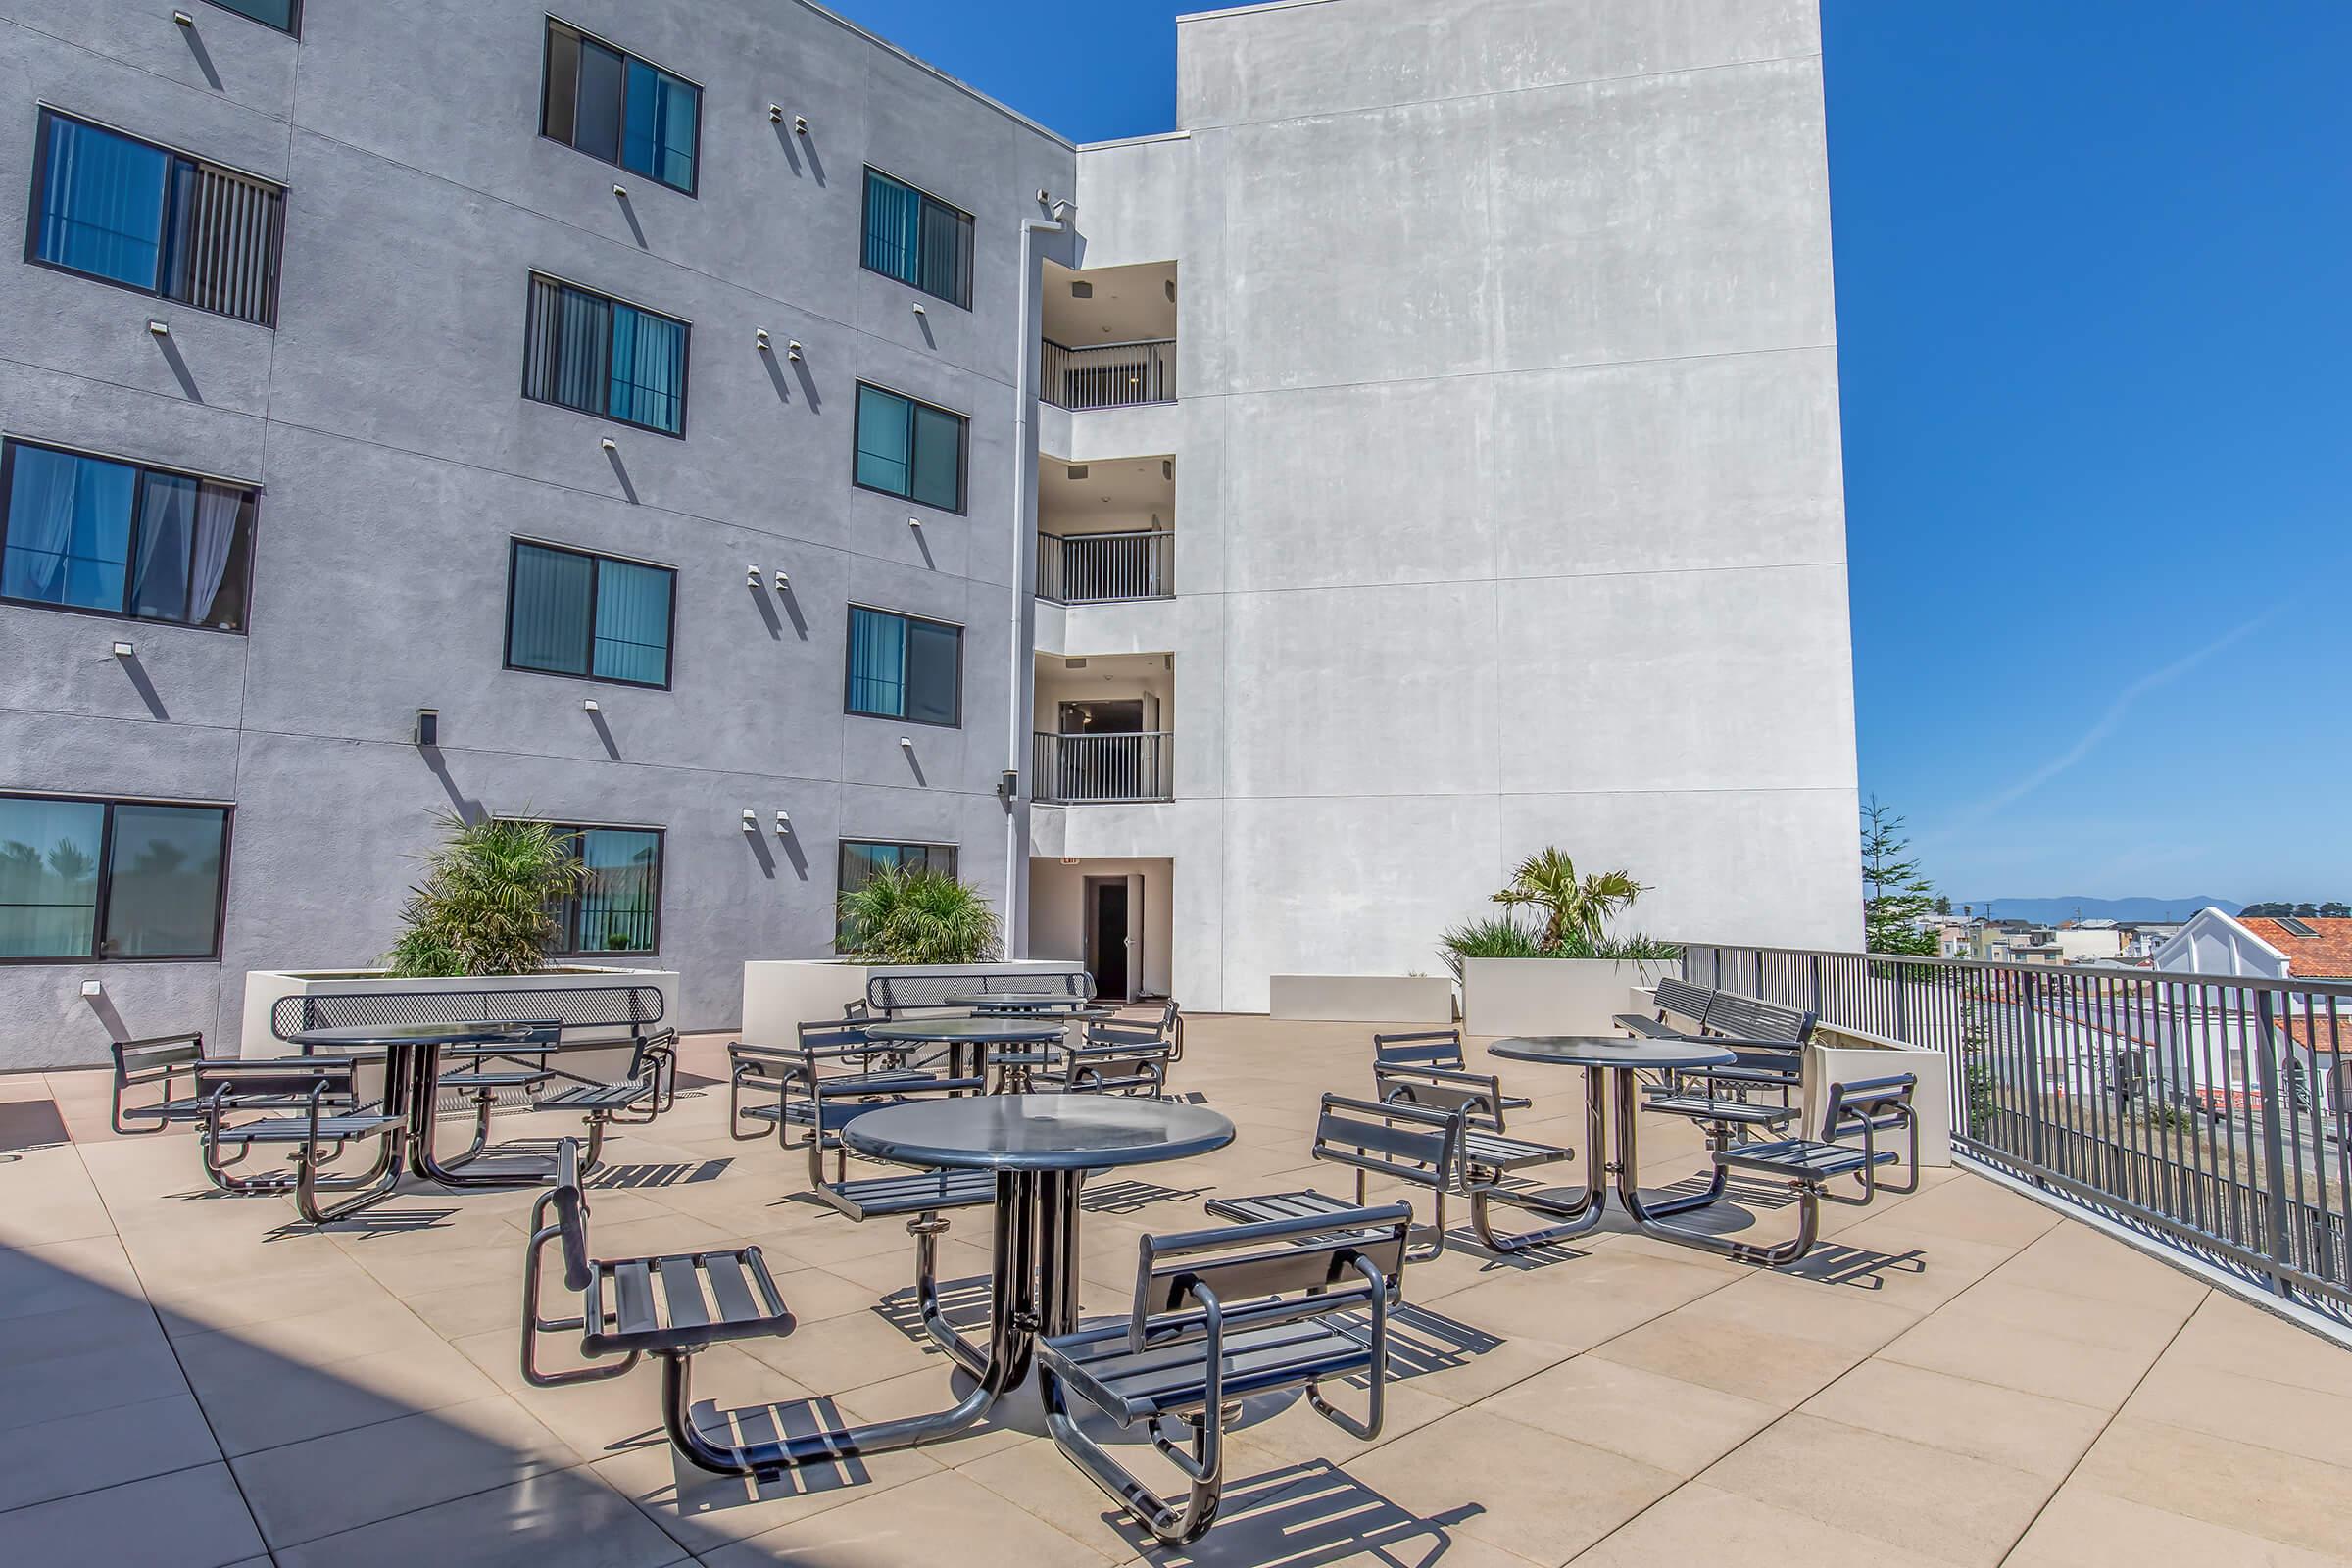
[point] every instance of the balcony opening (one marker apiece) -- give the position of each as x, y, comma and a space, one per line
1110, 336
1103, 729
1105, 531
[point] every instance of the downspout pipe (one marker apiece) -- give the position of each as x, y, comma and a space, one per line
1017, 758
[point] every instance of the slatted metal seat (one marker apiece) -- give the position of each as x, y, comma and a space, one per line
167, 1064
1217, 1316
1431, 1050
1117, 1058
1416, 1145
1491, 1151
1863, 1108
1727, 1112
668, 1307
923, 1192
334, 1116
1674, 998
799, 1075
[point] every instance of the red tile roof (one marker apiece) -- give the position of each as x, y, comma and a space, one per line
2325, 956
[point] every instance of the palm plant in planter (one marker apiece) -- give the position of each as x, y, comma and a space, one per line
486, 906
1572, 910
915, 915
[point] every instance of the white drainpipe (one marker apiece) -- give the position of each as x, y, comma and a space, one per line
1024, 582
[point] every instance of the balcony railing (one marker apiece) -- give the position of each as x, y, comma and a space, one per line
1110, 376
2211, 1112
1073, 769
1093, 569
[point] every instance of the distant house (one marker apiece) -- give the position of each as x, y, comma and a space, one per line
2260, 947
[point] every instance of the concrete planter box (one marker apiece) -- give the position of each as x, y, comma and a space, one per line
1553, 996
779, 995
263, 986
1362, 998
1845, 1056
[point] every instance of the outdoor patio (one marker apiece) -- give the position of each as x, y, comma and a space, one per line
1957, 1377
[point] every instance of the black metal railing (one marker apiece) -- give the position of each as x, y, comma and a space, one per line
1093, 569
2213, 1112
1082, 768
1110, 376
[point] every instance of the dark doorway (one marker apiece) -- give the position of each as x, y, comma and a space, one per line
1106, 935
1113, 718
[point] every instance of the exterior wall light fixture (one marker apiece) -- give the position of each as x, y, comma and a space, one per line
760, 338
158, 328
783, 582
750, 576
751, 820
123, 650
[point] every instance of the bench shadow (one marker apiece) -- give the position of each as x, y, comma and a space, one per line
1308, 1516
640, 1177
1131, 1196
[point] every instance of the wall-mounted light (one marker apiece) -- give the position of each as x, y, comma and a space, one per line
792, 350
919, 311
1081, 291
783, 581
427, 733
775, 114
93, 988
184, 18
622, 191
783, 824
123, 650
609, 444
1008, 785
751, 820
750, 576
158, 328
760, 338
915, 522
589, 703
800, 124
907, 742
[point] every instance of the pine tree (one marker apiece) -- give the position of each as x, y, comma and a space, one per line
1895, 895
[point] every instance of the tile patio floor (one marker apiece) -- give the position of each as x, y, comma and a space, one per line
1960, 1377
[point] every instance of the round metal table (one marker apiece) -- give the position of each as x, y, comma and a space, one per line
412, 1055
1039, 1147
966, 1038
1606, 1056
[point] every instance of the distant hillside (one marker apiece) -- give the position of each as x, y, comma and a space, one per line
2052, 910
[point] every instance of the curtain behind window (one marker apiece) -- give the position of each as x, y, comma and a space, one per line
632, 622
877, 664
649, 365
68, 529
569, 348
549, 626
885, 441
894, 219
945, 253
102, 203
658, 134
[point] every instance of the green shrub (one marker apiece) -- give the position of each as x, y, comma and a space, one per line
917, 917
487, 904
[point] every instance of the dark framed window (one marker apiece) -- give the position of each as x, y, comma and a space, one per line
619, 911
569, 612
131, 212
284, 15
600, 355
905, 667
615, 107
909, 449
860, 858
116, 538
88, 880
917, 238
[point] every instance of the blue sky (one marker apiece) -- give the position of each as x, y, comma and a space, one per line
2094, 287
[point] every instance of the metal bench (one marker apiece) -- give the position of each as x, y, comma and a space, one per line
1677, 998
669, 1307
788, 1072
1864, 1110
631, 1100
1117, 1058
891, 995
332, 1117
158, 1062
1436, 1050
1220, 1316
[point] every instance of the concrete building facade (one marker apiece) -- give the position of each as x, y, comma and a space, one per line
1445, 414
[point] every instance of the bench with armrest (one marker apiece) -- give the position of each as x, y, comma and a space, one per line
513, 1063
1434, 1050
1117, 1057
830, 1058
1864, 1109
168, 1064
668, 1307
631, 1100
331, 1119
1489, 1153
1674, 998
891, 995
1439, 1149
1218, 1317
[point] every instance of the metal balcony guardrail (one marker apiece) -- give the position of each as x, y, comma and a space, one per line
1110, 376
1094, 568
2213, 1112
1073, 769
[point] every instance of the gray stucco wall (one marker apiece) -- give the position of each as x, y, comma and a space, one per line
1509, 499
386, 421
